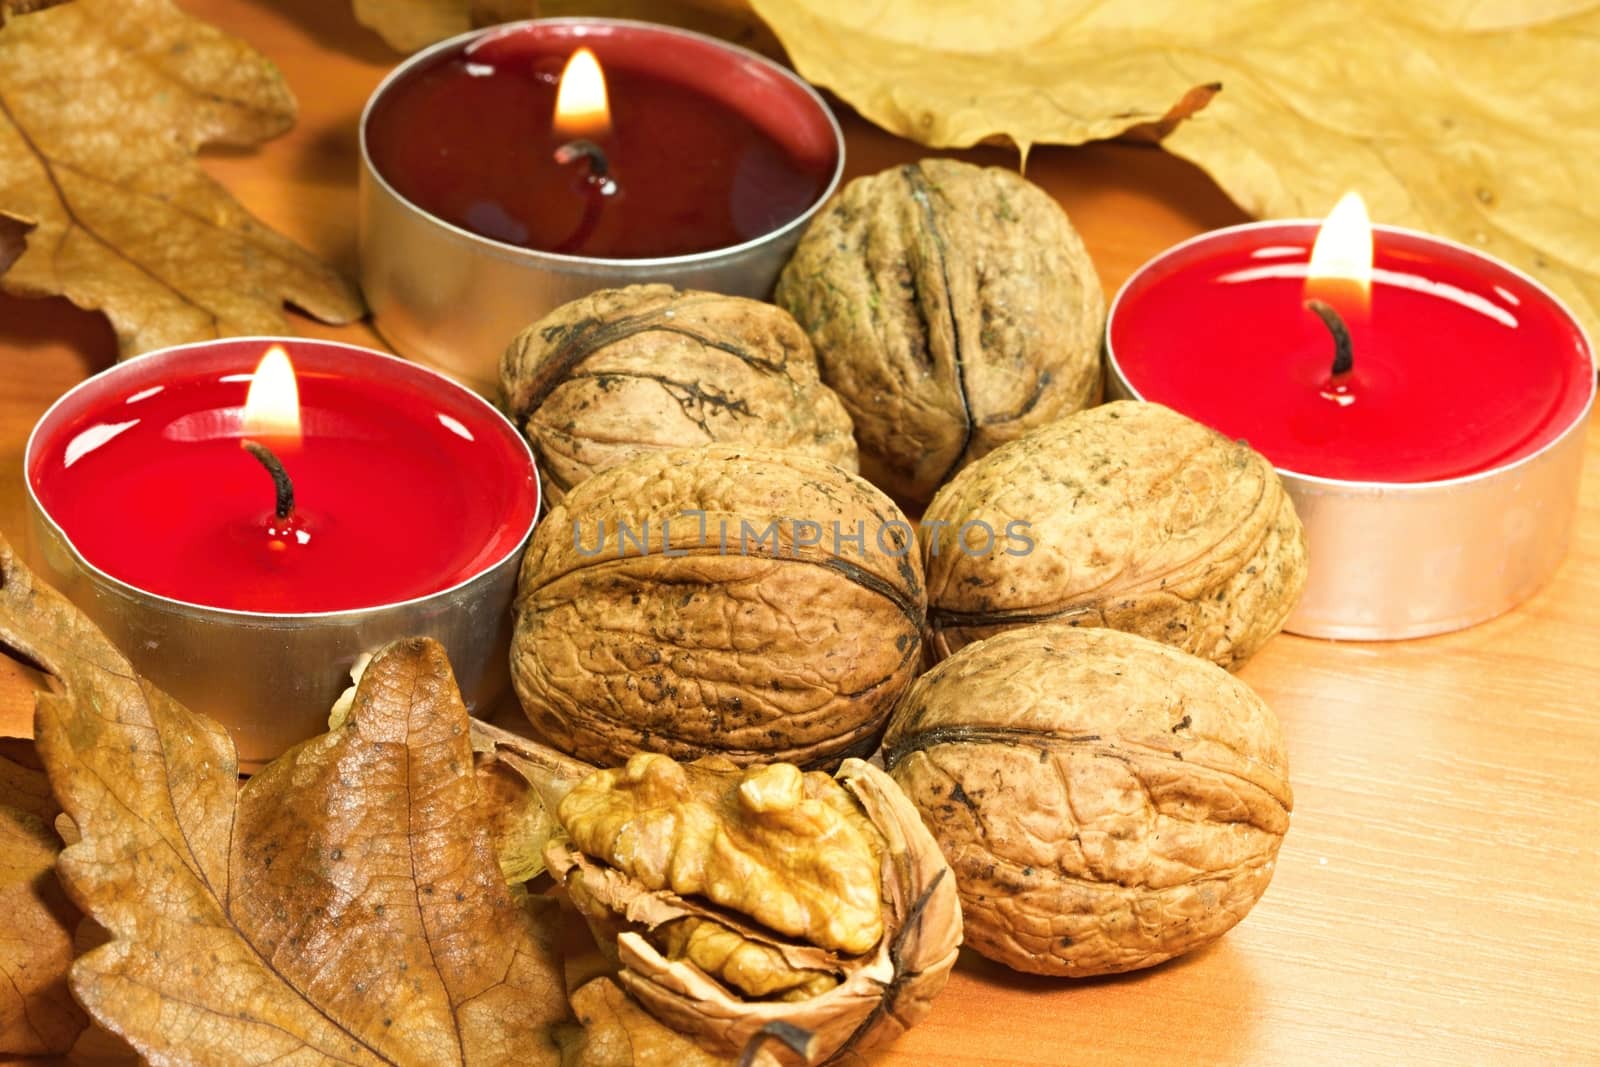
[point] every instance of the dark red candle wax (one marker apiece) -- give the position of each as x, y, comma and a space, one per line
707, 150
402, 486
1460, 366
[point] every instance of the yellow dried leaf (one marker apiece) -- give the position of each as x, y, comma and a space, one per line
13, 239
1460, 117
37, 1014
345, 905
103, 104
12, 8
408, 25
617, 1032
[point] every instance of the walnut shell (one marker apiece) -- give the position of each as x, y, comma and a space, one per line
622, 372
1128, 515
953, 308
757, 632
657, 845
1106, 802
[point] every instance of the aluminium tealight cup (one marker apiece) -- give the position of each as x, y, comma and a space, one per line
1395, 560
271, 678
452, 299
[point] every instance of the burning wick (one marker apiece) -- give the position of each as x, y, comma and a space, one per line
1343, 355
598, 185
599, 166
283, 487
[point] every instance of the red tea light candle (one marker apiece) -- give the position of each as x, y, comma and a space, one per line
509, 171
246, 517
1423, 402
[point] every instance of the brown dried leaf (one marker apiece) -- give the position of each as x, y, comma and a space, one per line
37, 1013
407, 25
103, 104
344, 905
1464, 118
27, 790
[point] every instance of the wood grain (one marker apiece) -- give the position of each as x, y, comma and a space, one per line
1436, 899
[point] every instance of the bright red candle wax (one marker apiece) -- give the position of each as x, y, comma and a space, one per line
1463, 366
707, 151
393, 501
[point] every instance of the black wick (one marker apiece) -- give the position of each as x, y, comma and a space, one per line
598, 184
280, 477
1343, 355
572, 151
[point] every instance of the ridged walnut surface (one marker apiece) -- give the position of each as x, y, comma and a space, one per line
756, 648
1106, 802
953, 308
871, 996
1141, 520
622, 372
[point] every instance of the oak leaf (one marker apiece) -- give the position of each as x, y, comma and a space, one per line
1464, 118
37, 1013
103, 104
345, 905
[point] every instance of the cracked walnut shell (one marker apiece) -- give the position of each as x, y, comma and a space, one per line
1128, 515
718, 601
742, 901
953, 308
622, 372
1106, 802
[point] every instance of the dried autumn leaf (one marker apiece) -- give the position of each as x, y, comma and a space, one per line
37, 1013
103, 104
13, 8
13, 239
1458, 117
27, 790
617, 1032
407, 25
344, 905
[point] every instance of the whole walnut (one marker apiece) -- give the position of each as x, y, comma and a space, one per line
622, 372
953, 308
1128, 515
1106, 802
742, 900
722, 600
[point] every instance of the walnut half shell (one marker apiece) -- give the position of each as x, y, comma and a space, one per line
1106, 802
743, 901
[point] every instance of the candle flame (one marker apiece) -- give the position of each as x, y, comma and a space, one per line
1341, 259
272, 406
581, 106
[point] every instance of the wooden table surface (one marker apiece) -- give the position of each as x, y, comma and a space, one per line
1437, 898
